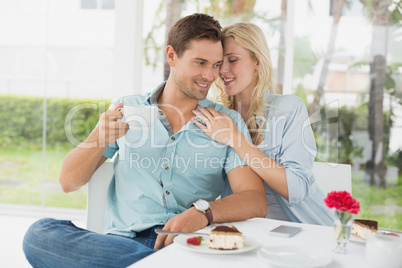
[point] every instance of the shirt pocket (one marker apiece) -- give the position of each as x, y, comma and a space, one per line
211, 161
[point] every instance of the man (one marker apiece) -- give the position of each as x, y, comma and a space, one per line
178, 192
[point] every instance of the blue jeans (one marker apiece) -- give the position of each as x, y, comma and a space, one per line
58, 243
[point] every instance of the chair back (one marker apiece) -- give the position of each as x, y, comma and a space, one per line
97, 196
333, 177
329, 177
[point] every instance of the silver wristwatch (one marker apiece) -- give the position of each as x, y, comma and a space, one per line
203, 206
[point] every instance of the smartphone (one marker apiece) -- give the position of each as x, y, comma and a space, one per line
285, 231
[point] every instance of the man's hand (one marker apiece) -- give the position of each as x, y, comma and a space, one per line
110, 129
81, 163
190, 220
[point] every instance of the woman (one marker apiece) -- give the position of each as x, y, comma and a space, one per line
283, 148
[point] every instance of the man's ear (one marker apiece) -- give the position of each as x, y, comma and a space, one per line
171, 55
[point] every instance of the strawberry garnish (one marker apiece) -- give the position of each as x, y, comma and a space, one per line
393, 234
196, 241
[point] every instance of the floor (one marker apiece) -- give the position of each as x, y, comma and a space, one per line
15, 220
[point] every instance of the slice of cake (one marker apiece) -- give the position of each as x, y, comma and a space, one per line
363, 228
225, 238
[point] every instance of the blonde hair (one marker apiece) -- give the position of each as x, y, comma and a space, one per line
251, 37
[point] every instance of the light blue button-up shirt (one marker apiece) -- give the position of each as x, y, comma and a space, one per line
159, 174
289, 140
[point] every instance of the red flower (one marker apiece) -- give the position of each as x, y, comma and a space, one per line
343, 201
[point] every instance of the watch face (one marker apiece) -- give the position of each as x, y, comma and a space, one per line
202, 205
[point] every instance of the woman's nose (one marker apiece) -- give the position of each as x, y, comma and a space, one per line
224, 68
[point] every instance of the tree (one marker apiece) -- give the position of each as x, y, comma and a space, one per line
173, 14
231, 9
282, 44
375, 167
396, 160
337, 6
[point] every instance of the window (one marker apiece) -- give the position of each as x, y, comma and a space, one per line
352, 8
46, 73
97, 4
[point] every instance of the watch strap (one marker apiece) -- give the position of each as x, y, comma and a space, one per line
207, 212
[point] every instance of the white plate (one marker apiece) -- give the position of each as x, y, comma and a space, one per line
354, 238
294, 256
358, 239
181, 241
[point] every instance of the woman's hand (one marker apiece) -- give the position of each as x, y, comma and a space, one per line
218, 126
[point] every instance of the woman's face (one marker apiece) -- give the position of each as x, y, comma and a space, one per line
238, 69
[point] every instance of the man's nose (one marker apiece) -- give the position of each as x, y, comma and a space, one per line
210, 74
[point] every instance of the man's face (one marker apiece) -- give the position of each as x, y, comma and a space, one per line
197, 68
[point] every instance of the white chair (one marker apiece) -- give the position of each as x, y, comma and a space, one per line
97, 196
329, 177
333, 177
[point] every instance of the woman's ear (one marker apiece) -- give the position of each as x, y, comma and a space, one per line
171, 55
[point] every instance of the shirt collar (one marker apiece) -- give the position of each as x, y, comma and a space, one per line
152, 98
267, 95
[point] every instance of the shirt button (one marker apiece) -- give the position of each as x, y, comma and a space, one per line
160, 112
167, 192
167, 168
172, 138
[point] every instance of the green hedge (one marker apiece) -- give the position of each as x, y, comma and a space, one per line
21, 120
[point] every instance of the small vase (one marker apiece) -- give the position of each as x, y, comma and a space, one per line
342, 225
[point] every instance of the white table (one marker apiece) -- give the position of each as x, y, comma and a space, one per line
321, 237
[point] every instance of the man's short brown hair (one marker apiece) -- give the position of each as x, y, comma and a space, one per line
193, 27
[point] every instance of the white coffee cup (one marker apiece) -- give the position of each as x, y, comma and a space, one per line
140, 117
384, 251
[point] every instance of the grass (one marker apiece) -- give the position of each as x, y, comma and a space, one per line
23, 170
371, 195
23, 167
27, 165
